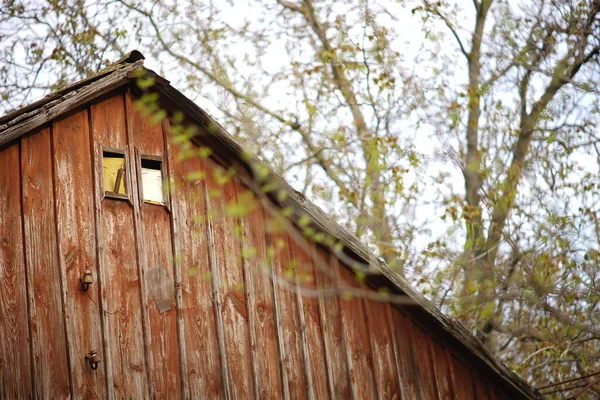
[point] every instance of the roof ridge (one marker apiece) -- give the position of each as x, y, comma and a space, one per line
130, 58
34, 115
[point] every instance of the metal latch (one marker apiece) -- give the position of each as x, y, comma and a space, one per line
86, 280
93, 359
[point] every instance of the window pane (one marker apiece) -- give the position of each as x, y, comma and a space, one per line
152, 181
114, 173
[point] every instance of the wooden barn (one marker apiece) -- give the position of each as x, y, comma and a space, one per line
126, 270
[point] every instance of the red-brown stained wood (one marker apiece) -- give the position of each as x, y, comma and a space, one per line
158, 256
50, 364
126, 363
331, 324
286, 315
189, 211
169, 188
379, 317
481, 388
442, 371
132, 165
462, 381
15, 354
261, 307
157, 266
496, 395
228, 279
425, 373
358, 349
407, 369
77, 250
312, 338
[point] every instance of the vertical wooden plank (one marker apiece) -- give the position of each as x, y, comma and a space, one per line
481, 387
261, 307
286, 311
131, 135
312, 338
391, 310
155, 248
77, 249
124, 339
496, 395
177, 273
409, 387
358, 348
15, 353
443, 378
384, 362
203, 363
228, 281
426, 375
48, 340
158, 272
333, 330
462, 381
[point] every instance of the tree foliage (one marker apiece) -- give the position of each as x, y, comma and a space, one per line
458, 139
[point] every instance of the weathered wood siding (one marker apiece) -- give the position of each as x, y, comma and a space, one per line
15, 354
51, 365
195, 299
124, 336
76, 236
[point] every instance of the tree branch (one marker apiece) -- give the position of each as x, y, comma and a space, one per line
379, 223
437, 12
325, 164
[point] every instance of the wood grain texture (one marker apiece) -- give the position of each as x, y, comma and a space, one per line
312, 337
158, 262
462, 380
155, 248
261, 306
131, 135
286, 313
15, 353
228, 281
443, 378
481, 387
169, 191
48, 339
409, 384
203, 359
77, 250
495, 394
425, 372
358, 348
379, 317
333, 331
124, 345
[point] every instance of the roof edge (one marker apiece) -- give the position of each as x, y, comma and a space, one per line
31, 117
331, 227
130, 58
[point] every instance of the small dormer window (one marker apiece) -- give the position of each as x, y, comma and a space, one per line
114, 176
151, 180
